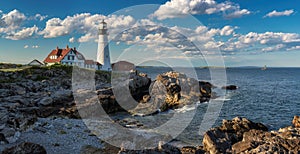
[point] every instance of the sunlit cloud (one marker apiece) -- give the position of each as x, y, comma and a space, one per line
280, 13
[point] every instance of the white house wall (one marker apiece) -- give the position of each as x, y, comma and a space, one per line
70, 61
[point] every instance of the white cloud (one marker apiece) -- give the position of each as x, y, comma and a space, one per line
23, 33
35, 46
86, 24
237, 14
11, 26
273, 48
161, 39
265, 42
294, 48
13, 18
72, 40
11, 21
87, 37
180, 8
40, 17
227, 30
277, 14
26, 46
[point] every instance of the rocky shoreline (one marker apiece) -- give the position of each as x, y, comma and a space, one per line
34, 98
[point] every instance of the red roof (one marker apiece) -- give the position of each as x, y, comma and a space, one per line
60, 54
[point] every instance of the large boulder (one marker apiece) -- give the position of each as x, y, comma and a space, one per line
129, 88
296, 121
172, 90
205, 90
230, 87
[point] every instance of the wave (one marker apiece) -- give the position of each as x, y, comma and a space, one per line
222, 98
186, 108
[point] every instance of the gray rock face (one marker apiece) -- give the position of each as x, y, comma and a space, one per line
3, 140
46, 101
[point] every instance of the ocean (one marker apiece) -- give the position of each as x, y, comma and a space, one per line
270, 96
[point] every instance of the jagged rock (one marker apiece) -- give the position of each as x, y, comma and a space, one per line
205, 91
146, 98
161, 149
296, 121
46, 101
240, 135
129, 88
25, 148
3, 139
172, 90
230, 87
62, 96
257, 141
4, 93
192, 150
107, 149
220, 139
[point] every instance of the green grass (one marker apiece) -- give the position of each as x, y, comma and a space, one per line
36, 70
14, 69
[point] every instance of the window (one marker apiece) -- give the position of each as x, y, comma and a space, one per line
72, 57
68, 57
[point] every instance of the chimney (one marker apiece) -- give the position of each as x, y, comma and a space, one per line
67, 47
75, 48
57, 48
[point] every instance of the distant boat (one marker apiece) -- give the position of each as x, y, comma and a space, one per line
264, 68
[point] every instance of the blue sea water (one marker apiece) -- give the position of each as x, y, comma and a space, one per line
271, 97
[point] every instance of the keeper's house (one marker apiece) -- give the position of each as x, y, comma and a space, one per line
70, 56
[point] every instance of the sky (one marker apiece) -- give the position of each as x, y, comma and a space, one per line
175, 32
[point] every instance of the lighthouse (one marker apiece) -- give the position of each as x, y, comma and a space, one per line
103, 48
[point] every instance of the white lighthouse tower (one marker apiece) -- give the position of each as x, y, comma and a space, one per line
103, 48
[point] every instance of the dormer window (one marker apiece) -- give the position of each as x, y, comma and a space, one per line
53, 57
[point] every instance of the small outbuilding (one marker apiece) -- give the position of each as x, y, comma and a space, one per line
35, 62
123, 66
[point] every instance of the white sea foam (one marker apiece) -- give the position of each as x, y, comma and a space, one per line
186, 108
223, 98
